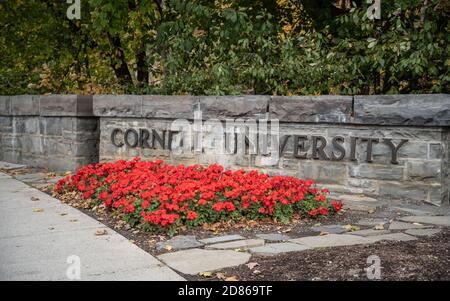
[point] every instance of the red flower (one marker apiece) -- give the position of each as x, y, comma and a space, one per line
191, 215
320, 198
336, 205
145, 204
81, 186
103, 195
129, 209
218, 207
323, 210
313, 212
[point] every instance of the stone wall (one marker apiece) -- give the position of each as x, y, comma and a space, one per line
56, 132
419, 173
394, 148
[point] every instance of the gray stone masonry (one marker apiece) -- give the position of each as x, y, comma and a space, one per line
56, 132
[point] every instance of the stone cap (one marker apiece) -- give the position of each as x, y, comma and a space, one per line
402, 109
407, 109
46, 105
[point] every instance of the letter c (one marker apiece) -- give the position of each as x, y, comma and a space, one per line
113, 137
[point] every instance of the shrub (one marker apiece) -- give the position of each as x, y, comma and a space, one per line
162, 197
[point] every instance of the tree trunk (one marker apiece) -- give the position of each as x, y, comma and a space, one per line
120, 66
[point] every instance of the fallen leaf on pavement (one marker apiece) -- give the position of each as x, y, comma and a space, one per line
99, 232
220, 276
379, 227
239, 250
205, 274
232, 278
73, 220
168, 247
322, 233
251, 265
38, 210
34, 199
371, 210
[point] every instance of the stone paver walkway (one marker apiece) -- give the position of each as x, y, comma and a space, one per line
38, 234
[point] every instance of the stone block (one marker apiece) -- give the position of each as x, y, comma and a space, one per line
323, 172
436, 151
392, 237
24, 105
278, 248
331, 240
375, 171
5, 121
433, 220
422, 232
396, 225
5, 106
424, 170
86, 124
117, 105
51, 126
407, 109
273, 237
238, 244
172, 107
404, 191
220, 239
57, 105
179, 242
326, 108
195, 261
32, 125
222, 107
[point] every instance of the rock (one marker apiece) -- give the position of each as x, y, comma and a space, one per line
331, 240
248, 106
117, 105
238, 244
55, 179
356, 198
326, 108
371, 221
434, 220
422, 232
334, 229
195, 261
273, 237
278, 248
369, 232
395, 225
400, 109
169, 106
392, 236
179, 242
32, 178
219, 239
10, 166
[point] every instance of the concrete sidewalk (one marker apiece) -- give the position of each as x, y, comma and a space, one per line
37, 238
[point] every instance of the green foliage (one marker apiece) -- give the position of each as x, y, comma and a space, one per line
224, 47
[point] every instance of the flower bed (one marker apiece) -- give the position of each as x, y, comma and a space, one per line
161, 197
